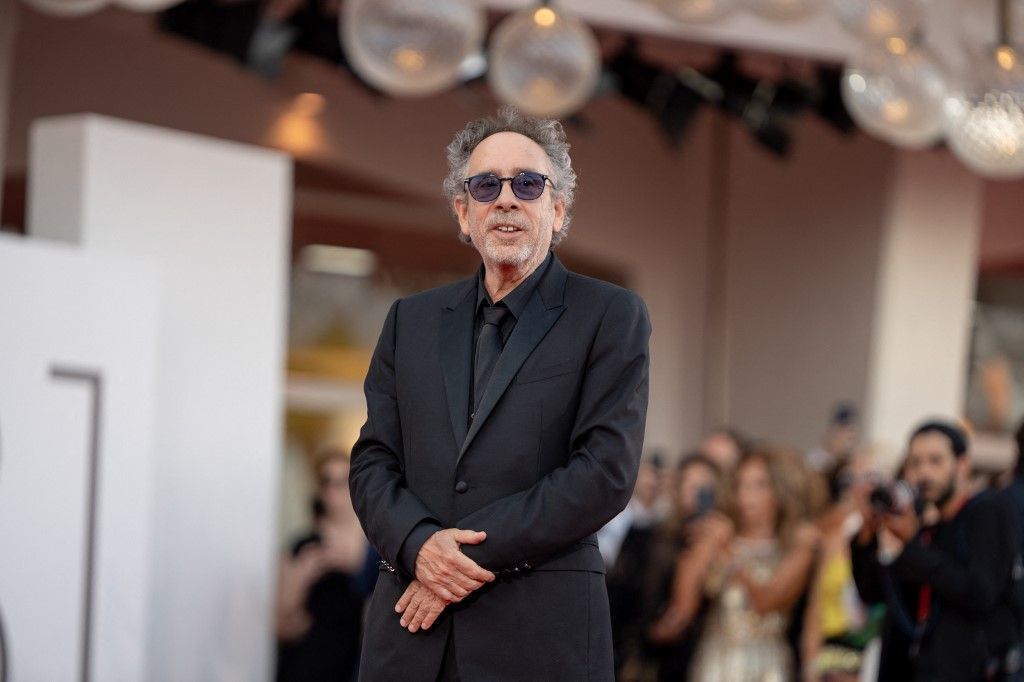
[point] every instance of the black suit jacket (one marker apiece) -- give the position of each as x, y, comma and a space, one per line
550, 456
969, 565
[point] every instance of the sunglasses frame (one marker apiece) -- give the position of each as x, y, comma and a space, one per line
501, 182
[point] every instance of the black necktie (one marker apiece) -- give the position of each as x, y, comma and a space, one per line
488, 348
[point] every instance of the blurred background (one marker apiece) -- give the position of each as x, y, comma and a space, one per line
820, 201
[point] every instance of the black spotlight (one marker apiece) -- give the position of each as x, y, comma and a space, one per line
765, 107
828, 102
661, 92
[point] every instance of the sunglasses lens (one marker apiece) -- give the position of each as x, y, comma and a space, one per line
484, 187
528, 185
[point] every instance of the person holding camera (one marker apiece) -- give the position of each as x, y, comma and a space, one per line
943, 562
1014, 492
323, 584
698, 487
748, 569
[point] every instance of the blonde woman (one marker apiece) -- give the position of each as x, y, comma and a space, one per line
752, 565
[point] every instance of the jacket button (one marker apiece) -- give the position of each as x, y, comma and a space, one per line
461, 487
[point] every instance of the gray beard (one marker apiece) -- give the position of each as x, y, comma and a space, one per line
518, 257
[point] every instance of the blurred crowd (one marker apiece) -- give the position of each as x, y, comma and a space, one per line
323, 584
750, 562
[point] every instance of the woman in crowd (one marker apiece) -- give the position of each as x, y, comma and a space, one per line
323, 584
752, 566
696, 488
837, 626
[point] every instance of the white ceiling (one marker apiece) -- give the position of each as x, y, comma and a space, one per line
819, 37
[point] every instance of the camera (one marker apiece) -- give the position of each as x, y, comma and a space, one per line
893, 498
705, 500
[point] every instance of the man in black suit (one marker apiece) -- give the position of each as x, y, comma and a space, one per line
505, 423
951, 587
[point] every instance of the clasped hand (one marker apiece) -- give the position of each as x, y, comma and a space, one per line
444, 575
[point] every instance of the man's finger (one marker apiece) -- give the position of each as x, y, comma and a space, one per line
413, 608
434, 583
421, 614
466, 583
445, 589
418, 619
455, 588
469, 537
406, 597
432, 613
444, 593
408, 615
471, 569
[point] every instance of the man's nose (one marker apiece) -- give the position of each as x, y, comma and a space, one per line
507, 200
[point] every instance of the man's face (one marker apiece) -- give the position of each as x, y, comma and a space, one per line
532, 222
333, 485
841, 439
932, 467
722, 450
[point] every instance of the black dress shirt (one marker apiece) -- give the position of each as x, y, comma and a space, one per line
515, 301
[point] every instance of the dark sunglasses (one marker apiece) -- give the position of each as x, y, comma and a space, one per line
527, 186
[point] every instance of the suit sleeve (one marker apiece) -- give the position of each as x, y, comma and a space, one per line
867, 572
607, 438
990, 548
387, 509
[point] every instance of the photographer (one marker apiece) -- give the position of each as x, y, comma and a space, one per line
1014, 493
943, 565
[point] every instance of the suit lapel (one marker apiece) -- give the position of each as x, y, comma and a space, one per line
456, 356
542, 311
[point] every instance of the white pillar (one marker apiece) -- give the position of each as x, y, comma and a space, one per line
923, 303
214, 217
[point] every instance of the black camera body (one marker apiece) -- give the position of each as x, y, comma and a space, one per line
705, 500
894, 498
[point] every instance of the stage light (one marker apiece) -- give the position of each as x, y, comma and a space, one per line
827, 99
308, 104
984, 115
765, 108
665, 94
896, 93
543, 61
410, 48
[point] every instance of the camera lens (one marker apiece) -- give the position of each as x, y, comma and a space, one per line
881, 499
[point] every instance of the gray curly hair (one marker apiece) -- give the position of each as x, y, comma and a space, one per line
548, 133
